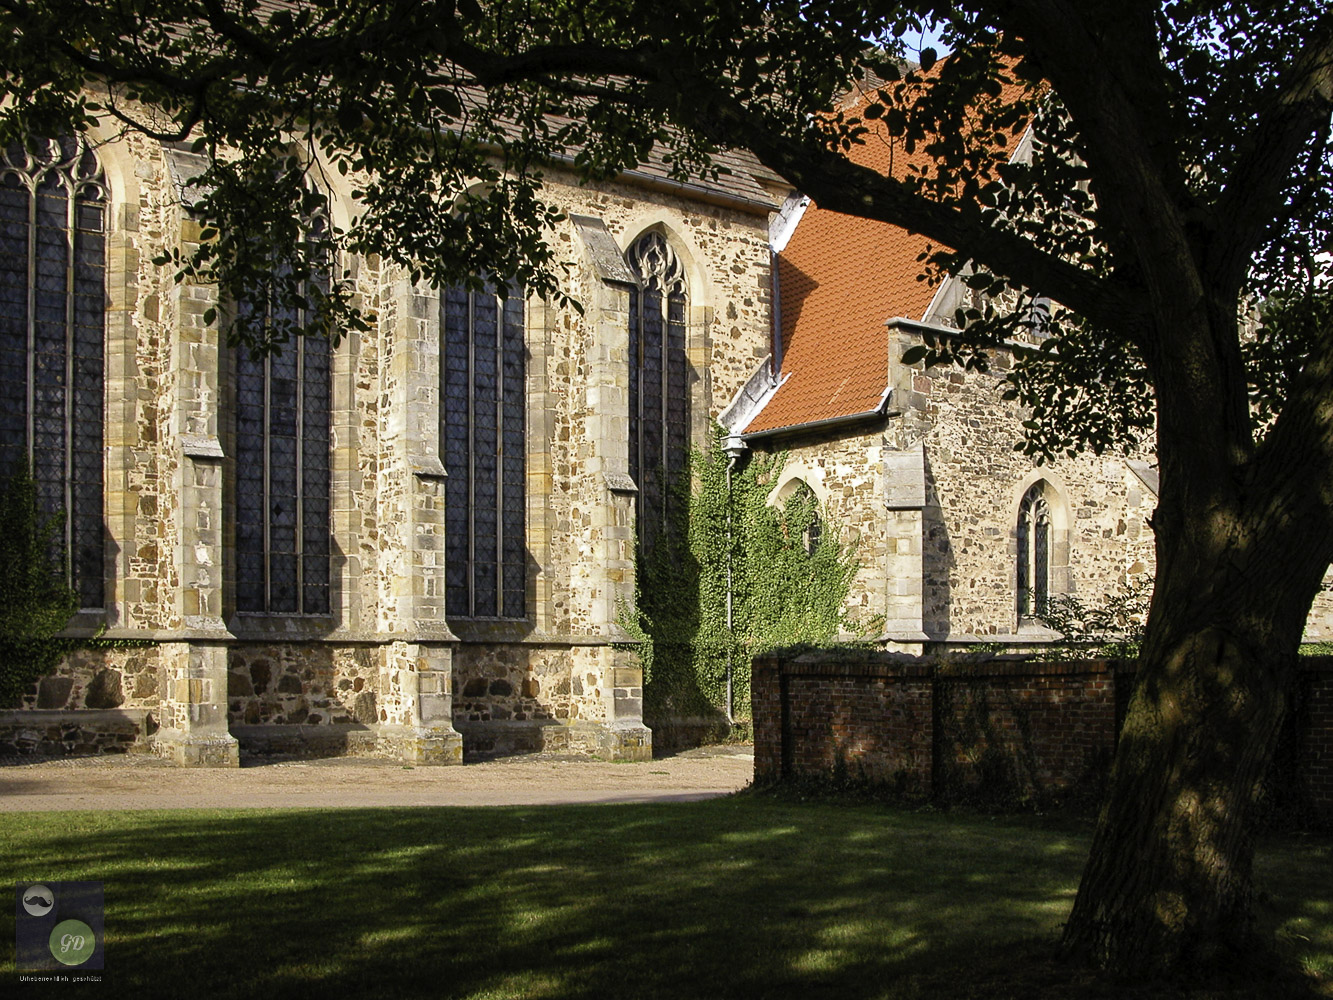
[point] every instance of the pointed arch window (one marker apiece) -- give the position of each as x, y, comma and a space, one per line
53, 199
1034, 553
283, 482
659, 405
801, 518
482, 432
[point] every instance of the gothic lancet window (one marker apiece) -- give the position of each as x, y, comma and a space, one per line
482, 429
282, 472
658, 380
52, 333
803, 507
1034, 553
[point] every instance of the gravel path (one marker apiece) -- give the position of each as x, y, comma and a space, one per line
140, 782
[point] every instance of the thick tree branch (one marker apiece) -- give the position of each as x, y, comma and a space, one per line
837, 183
1123, 108
1256, 190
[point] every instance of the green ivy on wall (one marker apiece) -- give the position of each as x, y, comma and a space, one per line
789, 578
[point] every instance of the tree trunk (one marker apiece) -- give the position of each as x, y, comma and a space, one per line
1167, 888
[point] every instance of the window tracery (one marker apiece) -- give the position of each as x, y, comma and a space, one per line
283, 480
658, 380
1034, 553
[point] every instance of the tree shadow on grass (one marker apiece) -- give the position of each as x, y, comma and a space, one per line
729, 898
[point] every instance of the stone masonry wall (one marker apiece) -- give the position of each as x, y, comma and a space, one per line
1319, 626
954, 553
384, 655
534, 683
98, 701
726, 258
316, 684
106, 678
974, 482
847, 477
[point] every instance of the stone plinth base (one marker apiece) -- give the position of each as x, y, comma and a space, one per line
420, 745
75, 732
307, 742
198, 751
609, 741
629, 741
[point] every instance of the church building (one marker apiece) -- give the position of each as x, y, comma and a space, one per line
411, 540
421, 538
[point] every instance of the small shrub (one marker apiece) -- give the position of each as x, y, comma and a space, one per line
38, 600
1112, 628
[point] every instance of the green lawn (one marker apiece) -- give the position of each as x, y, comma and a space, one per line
745, 897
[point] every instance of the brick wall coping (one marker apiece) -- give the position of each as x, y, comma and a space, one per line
888, 665
862, 663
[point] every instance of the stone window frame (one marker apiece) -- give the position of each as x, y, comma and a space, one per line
419, 399
794, 478
1039, 491
76, 168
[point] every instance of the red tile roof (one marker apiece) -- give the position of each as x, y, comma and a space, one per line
840, 278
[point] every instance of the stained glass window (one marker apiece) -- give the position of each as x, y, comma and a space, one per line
282, 474
482, 429
1034, 553
659, 405
52, 335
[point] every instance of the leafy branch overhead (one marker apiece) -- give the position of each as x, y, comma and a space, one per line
439, 118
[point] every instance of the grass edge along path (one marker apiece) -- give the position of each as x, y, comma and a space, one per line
742, 897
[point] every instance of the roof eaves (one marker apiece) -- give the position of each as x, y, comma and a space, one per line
880, 409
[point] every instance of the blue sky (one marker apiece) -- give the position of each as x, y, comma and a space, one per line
916, 41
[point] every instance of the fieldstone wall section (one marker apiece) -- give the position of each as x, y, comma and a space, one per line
106, 678
77, 733
929, 496
324, 685
1001, 729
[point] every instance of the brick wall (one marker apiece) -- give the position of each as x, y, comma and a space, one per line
825, 717
1030, 729
998, 729
1315, 736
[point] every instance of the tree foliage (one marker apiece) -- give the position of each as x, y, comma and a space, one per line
440, 118
1112, 626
